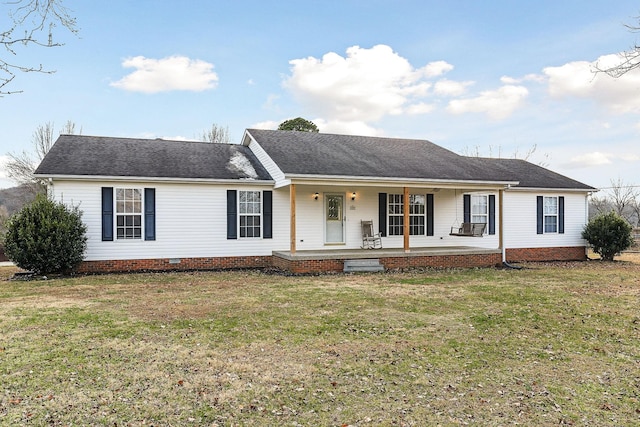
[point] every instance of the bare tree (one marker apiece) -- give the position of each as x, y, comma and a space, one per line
635, 208
599, 205
32, 23
476, 152
629, 59
622, 197
20, 167
217, 134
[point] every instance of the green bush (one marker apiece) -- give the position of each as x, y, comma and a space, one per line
46, 237
608, 234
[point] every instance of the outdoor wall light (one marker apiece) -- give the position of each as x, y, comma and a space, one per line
315, 196
353, 195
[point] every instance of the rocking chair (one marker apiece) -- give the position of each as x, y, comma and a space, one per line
370, 240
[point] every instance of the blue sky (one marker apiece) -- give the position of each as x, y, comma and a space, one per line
495, 78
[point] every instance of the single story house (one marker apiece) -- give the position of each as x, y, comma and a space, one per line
296, 201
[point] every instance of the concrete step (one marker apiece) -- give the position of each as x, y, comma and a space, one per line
359, 265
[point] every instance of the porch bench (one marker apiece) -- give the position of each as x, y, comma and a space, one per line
469, 229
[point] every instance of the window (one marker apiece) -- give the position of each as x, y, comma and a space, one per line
128, 213
396, 215
480, 209
550, 214
417, 214
249, 210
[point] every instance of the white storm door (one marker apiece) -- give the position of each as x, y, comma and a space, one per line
334, 218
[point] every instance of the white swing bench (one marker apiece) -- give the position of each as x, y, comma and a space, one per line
469, 229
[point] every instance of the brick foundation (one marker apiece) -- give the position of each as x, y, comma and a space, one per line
570, 253
328, 265
443, 261
167, 264
309, 266
306, 266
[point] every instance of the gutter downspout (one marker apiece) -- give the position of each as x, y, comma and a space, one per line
502, 228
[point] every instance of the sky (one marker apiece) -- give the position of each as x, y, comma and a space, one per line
496, 78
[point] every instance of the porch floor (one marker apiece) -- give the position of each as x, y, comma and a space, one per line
342, 254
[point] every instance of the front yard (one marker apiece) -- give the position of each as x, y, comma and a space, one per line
552, 344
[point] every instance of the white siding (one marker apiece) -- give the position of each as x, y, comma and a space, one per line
520, 220
447, 213
190, 222
267, 162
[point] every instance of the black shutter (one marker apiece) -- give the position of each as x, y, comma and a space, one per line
429, 214
232, 213
561, 214
492, 214
382, 214
540, 214
267, 214
466, 207
149, 214
107, 214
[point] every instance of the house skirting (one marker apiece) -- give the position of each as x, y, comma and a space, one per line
568, 253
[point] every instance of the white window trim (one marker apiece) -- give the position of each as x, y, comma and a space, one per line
545, 215
124, 214
484, 216
401, 215
252, 214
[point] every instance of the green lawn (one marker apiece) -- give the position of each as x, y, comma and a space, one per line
552, 344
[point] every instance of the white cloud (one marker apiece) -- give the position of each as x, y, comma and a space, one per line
268, 124
363, 86
420, 108
595, 158
446, 87
355, 127
527, 78
436, 68
577, 79
497, 104
630, 157
167, 74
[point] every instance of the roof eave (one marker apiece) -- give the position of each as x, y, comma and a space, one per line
396, 181
154, 179
548, 189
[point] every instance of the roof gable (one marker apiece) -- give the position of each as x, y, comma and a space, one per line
79, 155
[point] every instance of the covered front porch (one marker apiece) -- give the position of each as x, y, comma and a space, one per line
333, 260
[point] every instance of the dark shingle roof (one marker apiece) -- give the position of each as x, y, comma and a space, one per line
363, 156
150, 158
528, 174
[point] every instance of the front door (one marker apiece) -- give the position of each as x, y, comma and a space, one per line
334, 218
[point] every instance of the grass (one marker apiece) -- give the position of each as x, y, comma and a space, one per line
553, 344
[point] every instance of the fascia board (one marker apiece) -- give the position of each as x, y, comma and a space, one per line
553, 190
153, 179
396, 182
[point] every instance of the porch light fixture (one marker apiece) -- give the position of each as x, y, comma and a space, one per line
353, 195
315, 196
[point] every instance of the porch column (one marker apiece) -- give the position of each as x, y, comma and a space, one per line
501, 228
406, 220
292, 207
